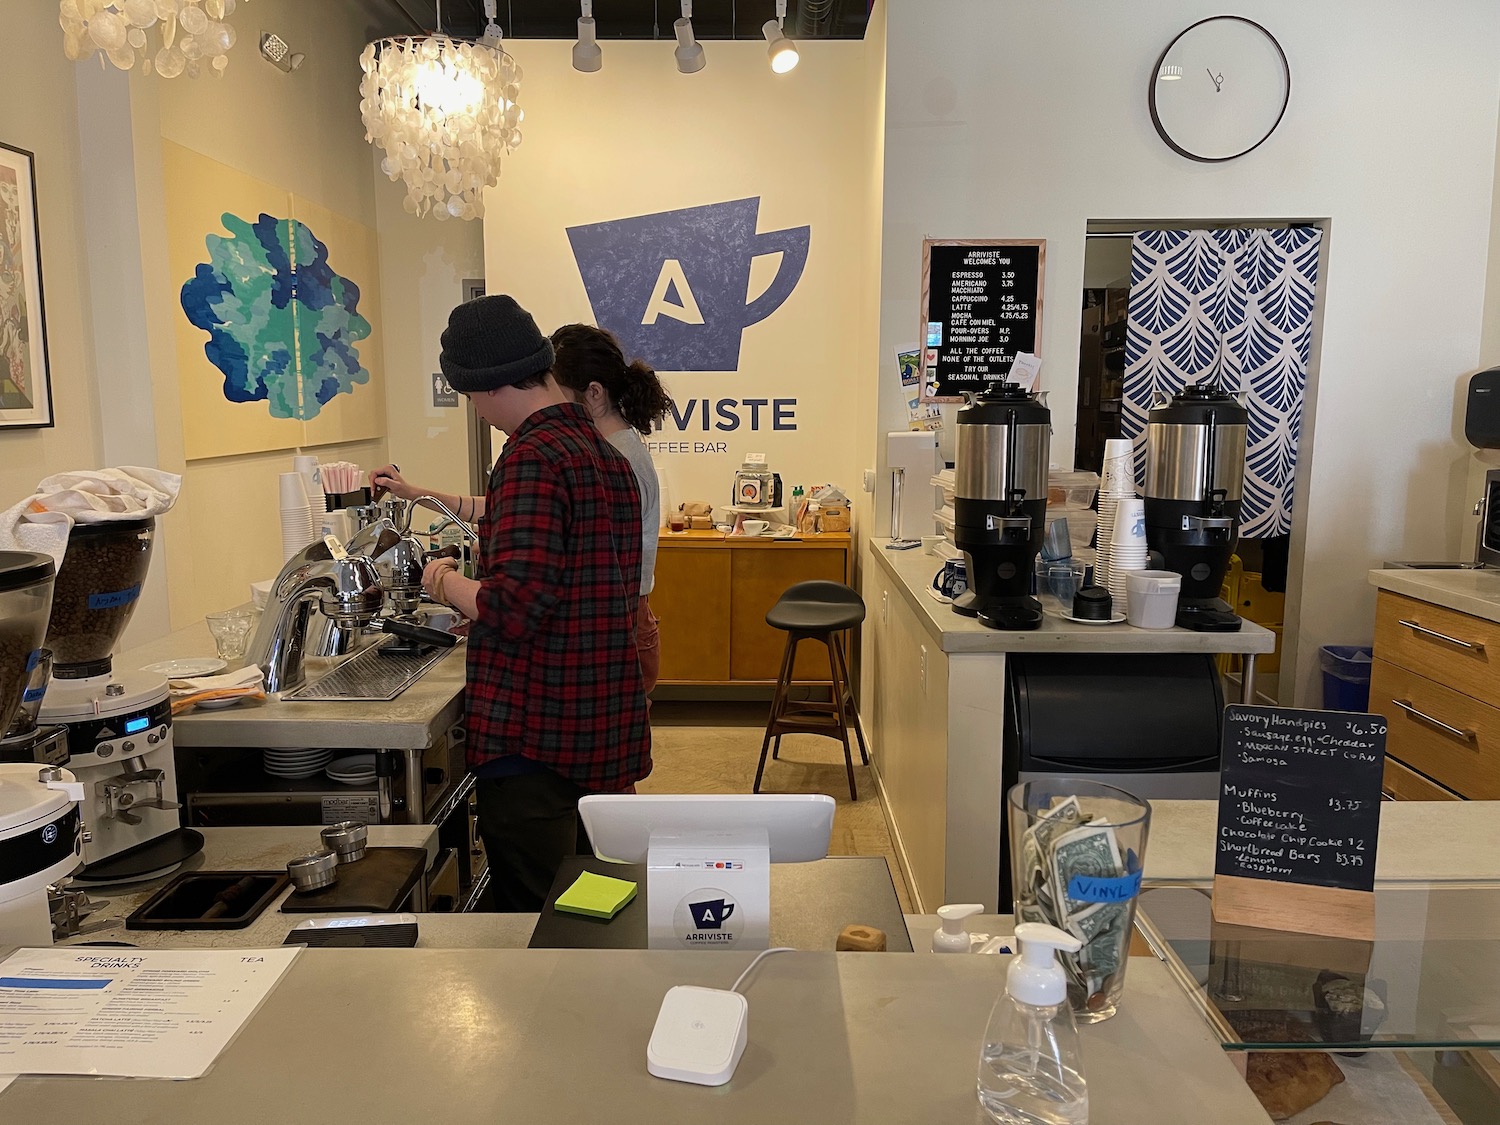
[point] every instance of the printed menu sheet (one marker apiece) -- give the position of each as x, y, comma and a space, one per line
140, 1013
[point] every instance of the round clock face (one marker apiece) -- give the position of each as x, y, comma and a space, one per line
1220, 89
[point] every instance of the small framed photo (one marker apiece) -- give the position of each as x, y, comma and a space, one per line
25, 380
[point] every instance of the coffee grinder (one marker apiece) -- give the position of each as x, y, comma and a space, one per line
1195, 469
26, 581
1000, 503
119, 724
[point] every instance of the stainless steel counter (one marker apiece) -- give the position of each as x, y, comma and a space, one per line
541, 1036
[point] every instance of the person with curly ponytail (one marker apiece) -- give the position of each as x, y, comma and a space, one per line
626, 401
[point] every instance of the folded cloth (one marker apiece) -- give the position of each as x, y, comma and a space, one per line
43, 520
246, 683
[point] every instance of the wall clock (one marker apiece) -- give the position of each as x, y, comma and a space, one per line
1219, 89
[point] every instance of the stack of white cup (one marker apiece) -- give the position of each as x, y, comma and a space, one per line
307, 466
1127, 548
1118, 484
297, 528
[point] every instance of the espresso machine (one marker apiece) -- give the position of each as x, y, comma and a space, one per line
1195, 469
119, 724
1000, 503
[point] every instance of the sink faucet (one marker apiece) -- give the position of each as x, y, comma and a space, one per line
348, 590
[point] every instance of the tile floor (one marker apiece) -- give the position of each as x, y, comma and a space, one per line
714, 747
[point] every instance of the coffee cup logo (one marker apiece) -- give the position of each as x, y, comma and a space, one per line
711, 915
674, 286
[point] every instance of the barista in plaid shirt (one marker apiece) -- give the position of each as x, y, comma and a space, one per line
556, 703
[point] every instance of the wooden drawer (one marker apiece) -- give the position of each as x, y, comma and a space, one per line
1402, 784
1472, 670
1467, 764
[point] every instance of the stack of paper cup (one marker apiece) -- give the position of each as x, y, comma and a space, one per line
1118, 484
297, 528
1127, 548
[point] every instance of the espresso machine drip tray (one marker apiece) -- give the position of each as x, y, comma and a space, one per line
375, 675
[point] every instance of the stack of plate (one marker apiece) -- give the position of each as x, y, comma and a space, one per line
294, 765
356, 769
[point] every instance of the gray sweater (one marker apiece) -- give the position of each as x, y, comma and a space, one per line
628, 442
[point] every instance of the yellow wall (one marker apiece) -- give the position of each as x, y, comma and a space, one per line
39, 112
639, 138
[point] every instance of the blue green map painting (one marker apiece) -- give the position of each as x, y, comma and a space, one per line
281, 323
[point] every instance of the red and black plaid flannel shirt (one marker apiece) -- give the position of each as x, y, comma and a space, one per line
553, 673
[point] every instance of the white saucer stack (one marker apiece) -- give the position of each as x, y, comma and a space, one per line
356, 769
295, 765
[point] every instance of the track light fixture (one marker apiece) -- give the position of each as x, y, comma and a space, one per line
689, 51
781, 50
587, 56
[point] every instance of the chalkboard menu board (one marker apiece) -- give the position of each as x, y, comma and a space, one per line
982, 303
1299, 796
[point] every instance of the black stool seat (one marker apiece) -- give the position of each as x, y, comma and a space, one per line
816, 607
815, 611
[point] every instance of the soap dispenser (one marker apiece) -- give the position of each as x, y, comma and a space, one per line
953, 936
1031, 1064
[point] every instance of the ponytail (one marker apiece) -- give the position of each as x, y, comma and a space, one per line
585, 354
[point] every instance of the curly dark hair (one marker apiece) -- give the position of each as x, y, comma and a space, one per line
585, 354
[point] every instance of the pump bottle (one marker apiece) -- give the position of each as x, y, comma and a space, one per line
953, 935
1031, 1065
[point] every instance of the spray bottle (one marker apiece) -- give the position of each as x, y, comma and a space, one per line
1031, 1064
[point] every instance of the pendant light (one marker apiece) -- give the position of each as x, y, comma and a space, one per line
587, 56
780, 49
193, 35
444, 112
689, 51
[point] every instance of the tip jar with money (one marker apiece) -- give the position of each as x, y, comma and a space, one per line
1077, 850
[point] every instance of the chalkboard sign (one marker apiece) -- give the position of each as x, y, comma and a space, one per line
981, 304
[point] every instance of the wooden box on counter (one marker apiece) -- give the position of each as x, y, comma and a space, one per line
712, 592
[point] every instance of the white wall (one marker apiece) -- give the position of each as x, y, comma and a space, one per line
1027, 119
639, 138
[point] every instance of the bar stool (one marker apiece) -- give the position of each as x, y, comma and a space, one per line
815, 611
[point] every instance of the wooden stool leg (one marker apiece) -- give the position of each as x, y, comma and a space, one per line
859, 730
778, 705
838, 710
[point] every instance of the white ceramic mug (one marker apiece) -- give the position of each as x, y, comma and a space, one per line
755, 527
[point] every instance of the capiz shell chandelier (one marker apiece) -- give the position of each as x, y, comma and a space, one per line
444, 112
187, 35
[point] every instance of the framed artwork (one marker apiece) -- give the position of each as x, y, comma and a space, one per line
25, 382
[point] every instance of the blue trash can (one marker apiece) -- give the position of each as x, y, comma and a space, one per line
1346, 677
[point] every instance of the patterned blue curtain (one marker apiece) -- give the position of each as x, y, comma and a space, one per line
1236, 305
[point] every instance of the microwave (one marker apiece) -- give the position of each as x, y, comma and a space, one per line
1487, 544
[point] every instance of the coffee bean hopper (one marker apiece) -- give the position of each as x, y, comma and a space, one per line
119, 724
26, 581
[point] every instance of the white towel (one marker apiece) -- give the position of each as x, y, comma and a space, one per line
249, 676
43, 520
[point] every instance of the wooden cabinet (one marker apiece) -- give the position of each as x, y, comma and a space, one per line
712, 592
1434, 679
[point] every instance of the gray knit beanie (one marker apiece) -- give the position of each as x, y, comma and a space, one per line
492, 342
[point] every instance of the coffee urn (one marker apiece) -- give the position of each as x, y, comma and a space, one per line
1195, 467
1000, 503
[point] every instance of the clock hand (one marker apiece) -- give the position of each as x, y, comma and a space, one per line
1217, 80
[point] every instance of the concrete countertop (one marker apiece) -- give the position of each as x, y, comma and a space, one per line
411, 721
238, 849
542, 1036
1475, 592
1420, 842
913, 570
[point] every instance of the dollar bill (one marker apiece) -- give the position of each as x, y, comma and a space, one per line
1088, 850
1053, 822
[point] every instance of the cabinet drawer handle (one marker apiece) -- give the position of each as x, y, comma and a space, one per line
1460, 733
1472, 646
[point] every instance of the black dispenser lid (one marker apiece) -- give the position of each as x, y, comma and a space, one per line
1005, 404
24, 568
1200, 404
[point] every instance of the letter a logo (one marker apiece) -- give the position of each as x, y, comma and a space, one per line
671, 280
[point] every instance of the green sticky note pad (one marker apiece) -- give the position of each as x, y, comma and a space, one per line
596, 896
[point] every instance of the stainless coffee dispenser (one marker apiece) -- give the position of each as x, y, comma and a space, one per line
1000, 503
1195, 469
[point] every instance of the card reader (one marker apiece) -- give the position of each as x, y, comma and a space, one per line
699, 1035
